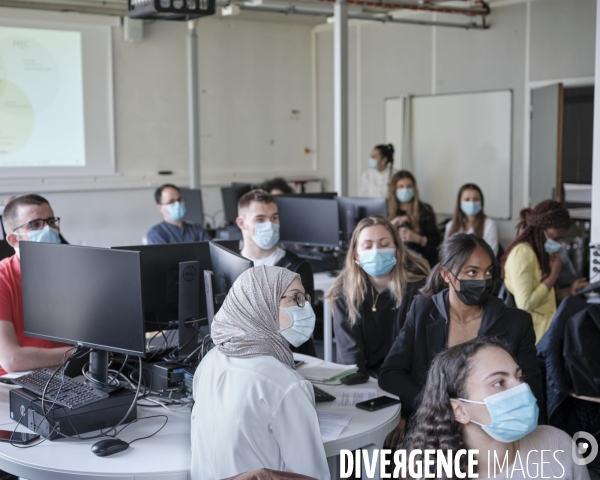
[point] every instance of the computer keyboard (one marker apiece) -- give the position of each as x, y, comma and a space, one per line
73, 394
588, 288
322, 395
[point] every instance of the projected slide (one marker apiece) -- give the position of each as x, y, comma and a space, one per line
41, 98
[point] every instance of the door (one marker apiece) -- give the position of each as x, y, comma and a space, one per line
546, 143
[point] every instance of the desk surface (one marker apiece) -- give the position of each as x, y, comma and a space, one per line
167, 455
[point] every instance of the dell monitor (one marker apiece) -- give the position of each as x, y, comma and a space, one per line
231, 196
227, 266
193, 205
353, 209
160, 280
84, 296
308, 221
327, 195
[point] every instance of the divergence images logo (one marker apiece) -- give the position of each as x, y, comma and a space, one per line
585, 448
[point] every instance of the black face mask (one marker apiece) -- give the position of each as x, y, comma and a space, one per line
474, 292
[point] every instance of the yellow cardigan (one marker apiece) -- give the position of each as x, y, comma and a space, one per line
523, 278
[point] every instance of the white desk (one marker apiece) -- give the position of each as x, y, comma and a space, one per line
167, 455
323, 282
366, 430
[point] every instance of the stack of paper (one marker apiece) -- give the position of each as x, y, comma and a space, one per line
349, 397
326, 371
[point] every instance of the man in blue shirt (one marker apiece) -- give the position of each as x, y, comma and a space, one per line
173, 229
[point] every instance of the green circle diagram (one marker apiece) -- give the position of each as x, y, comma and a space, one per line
16, 120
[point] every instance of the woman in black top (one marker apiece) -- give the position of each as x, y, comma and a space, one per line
456, 306
372, 295
414, 219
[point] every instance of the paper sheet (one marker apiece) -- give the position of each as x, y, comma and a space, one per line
324, 371
349, 397
333, 423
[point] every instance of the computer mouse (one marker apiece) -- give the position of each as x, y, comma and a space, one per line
110, 446
355, 379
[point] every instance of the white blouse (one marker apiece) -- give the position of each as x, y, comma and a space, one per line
374, 184
252, 413
490, 233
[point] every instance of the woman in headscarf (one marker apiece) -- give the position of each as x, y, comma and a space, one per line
252, 409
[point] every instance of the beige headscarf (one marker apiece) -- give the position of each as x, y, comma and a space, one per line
247, 325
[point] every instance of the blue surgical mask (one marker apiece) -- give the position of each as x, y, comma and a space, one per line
373, 164
405, 195
176, 211
378, 261
44, 235
470, 209
551, 246
302, 326
514, 413
266, 235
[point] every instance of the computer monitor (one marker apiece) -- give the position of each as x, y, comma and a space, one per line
309, 221
231, 196
328, 195
160, 280
84, 296
227, 266
354, 209
193, 203
252, 186
6, 250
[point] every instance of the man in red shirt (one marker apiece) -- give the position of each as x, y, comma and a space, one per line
25, 218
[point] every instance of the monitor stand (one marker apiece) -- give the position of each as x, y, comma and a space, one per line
99, 371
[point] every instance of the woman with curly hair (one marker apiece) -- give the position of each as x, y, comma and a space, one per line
531, 264
372, 294
476, 398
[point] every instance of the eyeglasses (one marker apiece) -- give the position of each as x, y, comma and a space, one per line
38, 223
180, 200
299, 298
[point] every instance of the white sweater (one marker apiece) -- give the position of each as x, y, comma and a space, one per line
490, 233
252, 413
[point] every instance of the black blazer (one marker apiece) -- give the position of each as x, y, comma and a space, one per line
425, 334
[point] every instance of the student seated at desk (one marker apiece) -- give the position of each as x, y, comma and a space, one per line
173, 229
414, 219
28, 218
259, 222
373, 293
252, 408
477, 398
532, 264
469, 217
455, 306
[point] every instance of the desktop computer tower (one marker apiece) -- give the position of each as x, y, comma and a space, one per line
26, 408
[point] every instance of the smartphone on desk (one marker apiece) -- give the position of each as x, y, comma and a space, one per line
377, 403
17, 437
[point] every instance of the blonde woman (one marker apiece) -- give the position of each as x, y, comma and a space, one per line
414, 219
373, 293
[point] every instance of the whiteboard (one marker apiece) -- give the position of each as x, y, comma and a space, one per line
463, 138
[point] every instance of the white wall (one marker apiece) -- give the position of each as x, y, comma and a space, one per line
391, 60
252, 74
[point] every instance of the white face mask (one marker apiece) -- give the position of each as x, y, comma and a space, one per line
266, 235
302, 326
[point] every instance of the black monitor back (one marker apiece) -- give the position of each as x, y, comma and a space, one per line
353, 209
6, 250
227, 266
326, 195
160, 280
83, 295
193, 205
308, 221
231, 196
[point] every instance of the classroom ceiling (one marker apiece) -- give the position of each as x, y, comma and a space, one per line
286, 11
